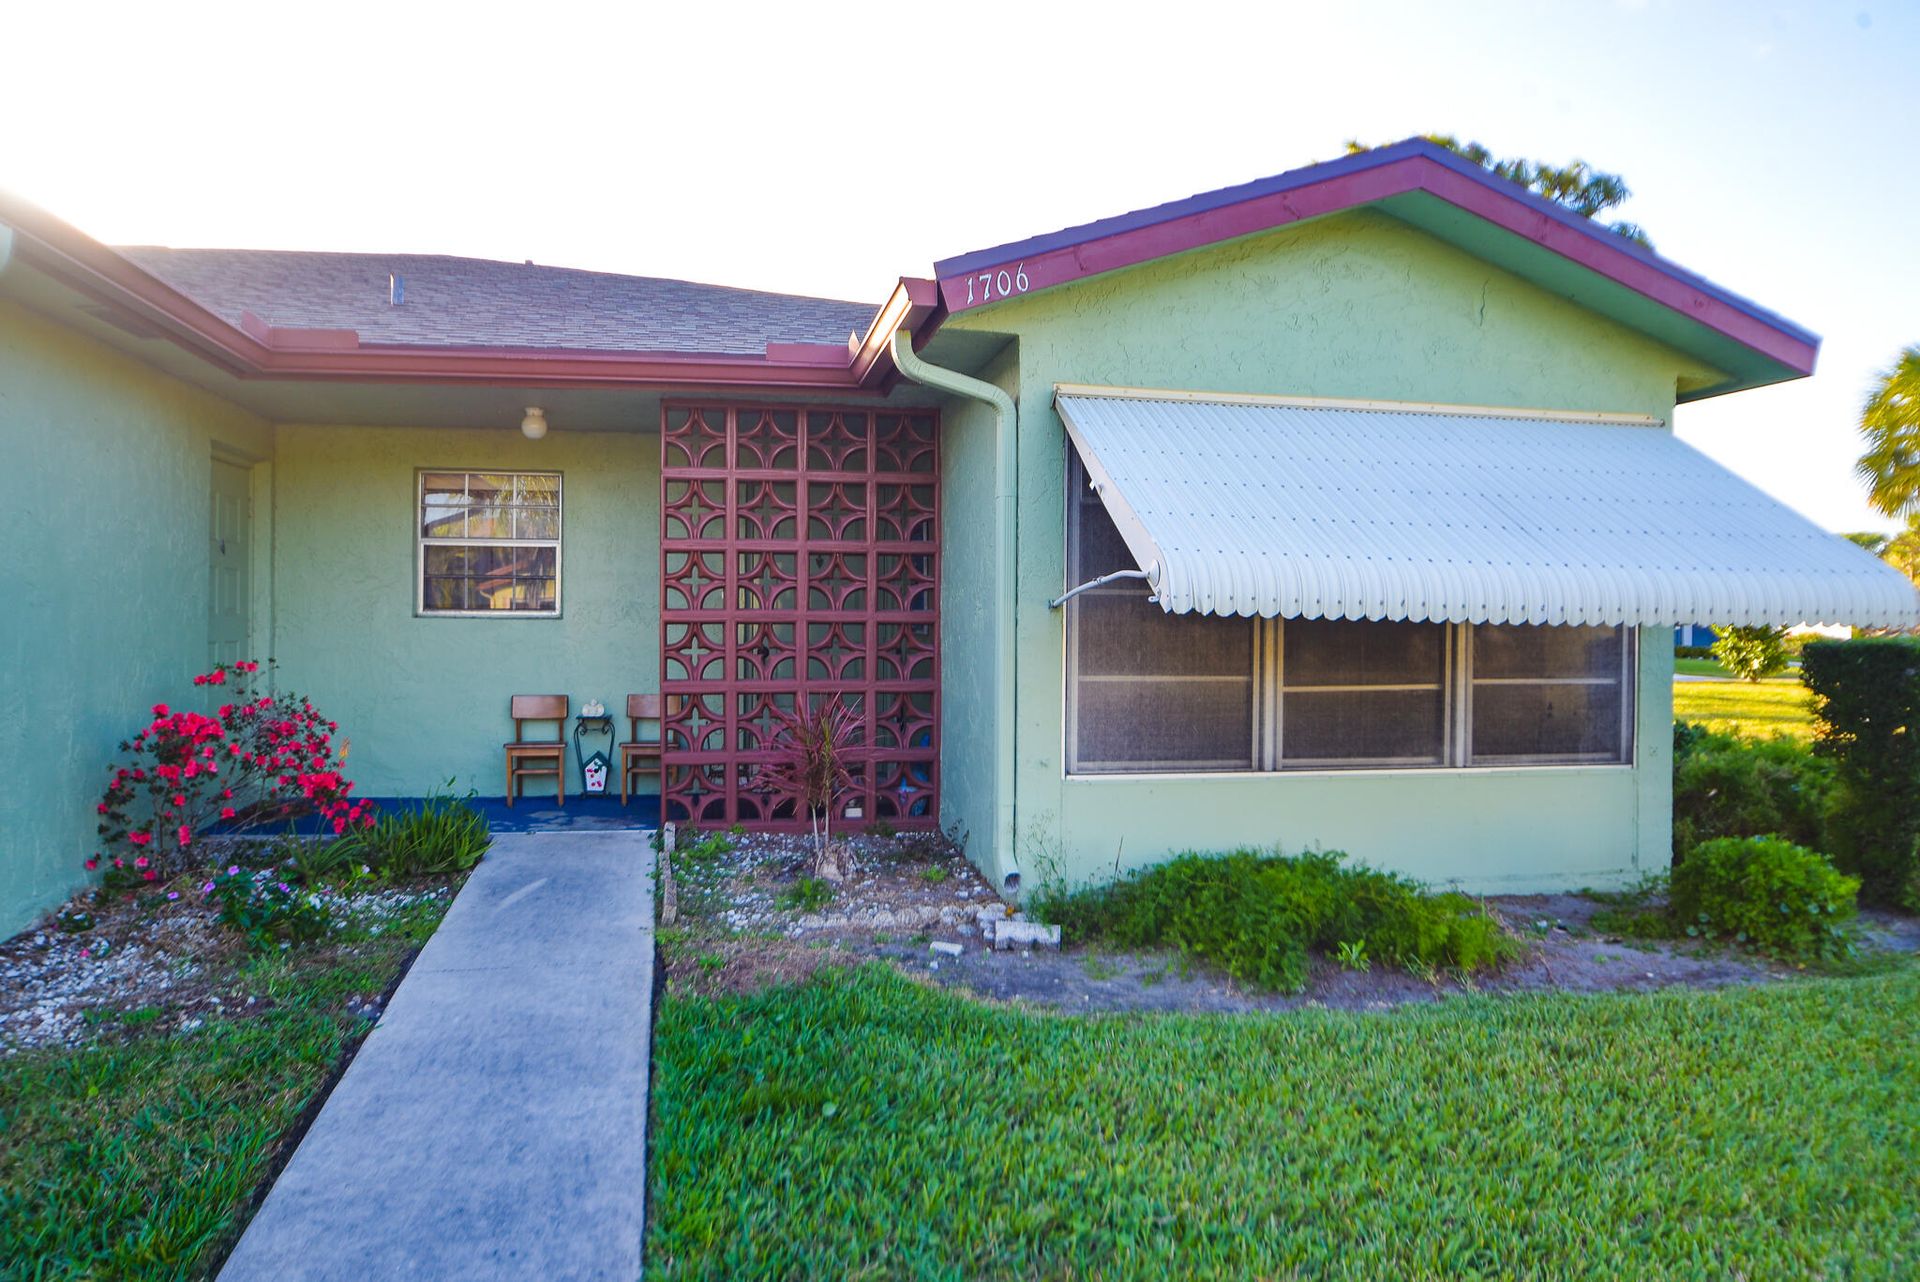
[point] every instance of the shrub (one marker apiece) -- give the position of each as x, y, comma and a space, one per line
1766, 892
261, 758
265, 909
445, 835
1256, 915
1867, 703
1724, 786
807, 895
813, 763
1752, 653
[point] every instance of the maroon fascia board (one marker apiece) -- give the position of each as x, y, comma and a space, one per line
976, 279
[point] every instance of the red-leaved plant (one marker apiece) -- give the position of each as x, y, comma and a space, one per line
815, 752
261, 758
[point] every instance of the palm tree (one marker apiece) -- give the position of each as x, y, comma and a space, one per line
1890, 421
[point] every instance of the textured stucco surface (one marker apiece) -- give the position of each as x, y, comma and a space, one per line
424, 700
103, 508
1355, 306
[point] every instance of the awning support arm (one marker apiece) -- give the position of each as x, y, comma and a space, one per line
1091, 584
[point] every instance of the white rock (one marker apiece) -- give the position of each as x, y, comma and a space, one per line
945, 948
1024, 934
992, 912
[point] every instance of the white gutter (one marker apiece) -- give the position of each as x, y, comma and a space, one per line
6, 246
1006, 559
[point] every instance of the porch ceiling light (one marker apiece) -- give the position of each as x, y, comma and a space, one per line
534, 425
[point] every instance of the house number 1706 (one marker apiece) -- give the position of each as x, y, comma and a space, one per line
984, 287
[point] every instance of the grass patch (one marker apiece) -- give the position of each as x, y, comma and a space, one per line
1776, 706
139, 1158
865, 1126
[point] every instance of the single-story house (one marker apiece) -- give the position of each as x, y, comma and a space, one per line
1338, 509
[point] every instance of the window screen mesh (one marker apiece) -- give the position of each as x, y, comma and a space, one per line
1546, 694
1356, 692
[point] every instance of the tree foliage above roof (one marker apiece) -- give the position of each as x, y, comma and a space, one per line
1577, 186
1890, 420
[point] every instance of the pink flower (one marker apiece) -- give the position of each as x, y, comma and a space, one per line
150, 875
141, 862
159, 709
102, 807
226, 812
185, 835
93, 863
139, 838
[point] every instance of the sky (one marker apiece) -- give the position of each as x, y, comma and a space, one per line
829, 149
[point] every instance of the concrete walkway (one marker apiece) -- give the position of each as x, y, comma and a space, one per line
494, 1123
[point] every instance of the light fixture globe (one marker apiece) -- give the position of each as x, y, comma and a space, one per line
534, 425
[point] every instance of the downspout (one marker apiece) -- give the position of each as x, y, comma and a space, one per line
1005, 461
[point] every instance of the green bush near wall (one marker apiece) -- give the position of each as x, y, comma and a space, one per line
1767, 893
1257, 916
1728, 786
1867, 701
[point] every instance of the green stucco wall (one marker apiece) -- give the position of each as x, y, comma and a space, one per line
103, 508
1355, 306
424, 700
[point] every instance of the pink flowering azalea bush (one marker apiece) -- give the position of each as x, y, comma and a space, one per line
260, 758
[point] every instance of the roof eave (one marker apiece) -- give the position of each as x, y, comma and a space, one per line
256, 350
1777, 346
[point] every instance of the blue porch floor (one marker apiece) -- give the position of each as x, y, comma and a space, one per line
537, 813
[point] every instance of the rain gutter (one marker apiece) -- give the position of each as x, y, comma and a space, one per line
1006, 559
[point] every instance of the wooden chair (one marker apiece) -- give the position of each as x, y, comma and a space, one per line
642, 756
538, 757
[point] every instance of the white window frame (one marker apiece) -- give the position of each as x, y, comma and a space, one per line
1268, 690
422, 541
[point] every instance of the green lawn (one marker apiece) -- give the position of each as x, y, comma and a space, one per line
139, 1159
1778, 705
863, 1126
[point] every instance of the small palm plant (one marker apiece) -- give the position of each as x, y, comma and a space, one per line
815, 753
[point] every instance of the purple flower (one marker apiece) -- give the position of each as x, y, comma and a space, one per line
207, 889
173, 894
233, 870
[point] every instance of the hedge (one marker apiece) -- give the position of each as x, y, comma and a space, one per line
1867, 702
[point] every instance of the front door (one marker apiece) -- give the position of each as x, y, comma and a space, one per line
229, 571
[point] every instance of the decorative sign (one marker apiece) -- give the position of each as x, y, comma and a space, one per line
593, 772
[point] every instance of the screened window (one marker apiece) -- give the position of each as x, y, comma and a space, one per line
489, 543
1545, 694
1358, 693
1152, 691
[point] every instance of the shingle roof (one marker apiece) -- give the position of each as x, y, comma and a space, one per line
454, 302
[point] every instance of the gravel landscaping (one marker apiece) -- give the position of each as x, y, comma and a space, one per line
104, 964
739, 929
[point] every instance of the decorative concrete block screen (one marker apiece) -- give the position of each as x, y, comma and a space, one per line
799, 559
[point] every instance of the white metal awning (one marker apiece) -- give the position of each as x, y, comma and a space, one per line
1357, 511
